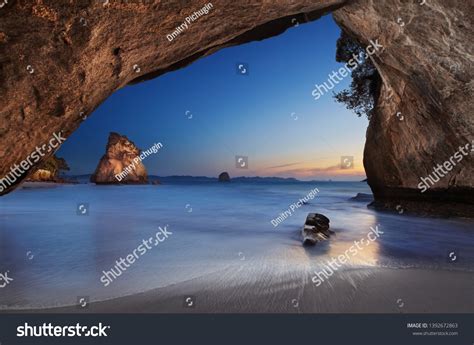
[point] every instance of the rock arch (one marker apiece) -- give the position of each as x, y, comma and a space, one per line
60, 59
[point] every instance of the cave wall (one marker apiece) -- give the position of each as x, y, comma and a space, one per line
59, 60
424, 110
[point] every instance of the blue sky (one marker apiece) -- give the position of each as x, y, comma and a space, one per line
268, 115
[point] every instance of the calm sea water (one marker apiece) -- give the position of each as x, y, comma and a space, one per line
54, 254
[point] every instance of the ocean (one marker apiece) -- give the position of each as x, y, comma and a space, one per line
56, 250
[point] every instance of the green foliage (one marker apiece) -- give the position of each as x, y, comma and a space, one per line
54, 164
362, 93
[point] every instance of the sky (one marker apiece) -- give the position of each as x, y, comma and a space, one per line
207, 113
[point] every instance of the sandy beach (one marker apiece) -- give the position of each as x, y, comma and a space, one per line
226, 254
356, 291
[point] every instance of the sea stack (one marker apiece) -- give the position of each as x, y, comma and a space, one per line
316, 228
224, 177
120, 164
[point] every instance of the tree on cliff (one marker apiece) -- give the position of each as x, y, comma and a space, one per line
48, 171
362, 93
54, 165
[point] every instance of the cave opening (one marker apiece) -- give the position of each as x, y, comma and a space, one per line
255, 100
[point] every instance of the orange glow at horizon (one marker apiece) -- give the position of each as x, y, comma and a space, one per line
323, 168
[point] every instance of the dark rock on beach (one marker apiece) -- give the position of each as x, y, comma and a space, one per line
224, 177
316, 228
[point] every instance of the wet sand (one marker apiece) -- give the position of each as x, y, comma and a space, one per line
368, 290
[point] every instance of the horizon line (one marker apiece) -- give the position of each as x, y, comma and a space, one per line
364, 178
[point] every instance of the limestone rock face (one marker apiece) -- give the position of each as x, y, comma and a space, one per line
120, 164
424, 109
224, 177
72, 57
41, 175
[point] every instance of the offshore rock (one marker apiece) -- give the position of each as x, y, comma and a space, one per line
120, 164
224, 177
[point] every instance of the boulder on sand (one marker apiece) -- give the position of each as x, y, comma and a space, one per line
316, 228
